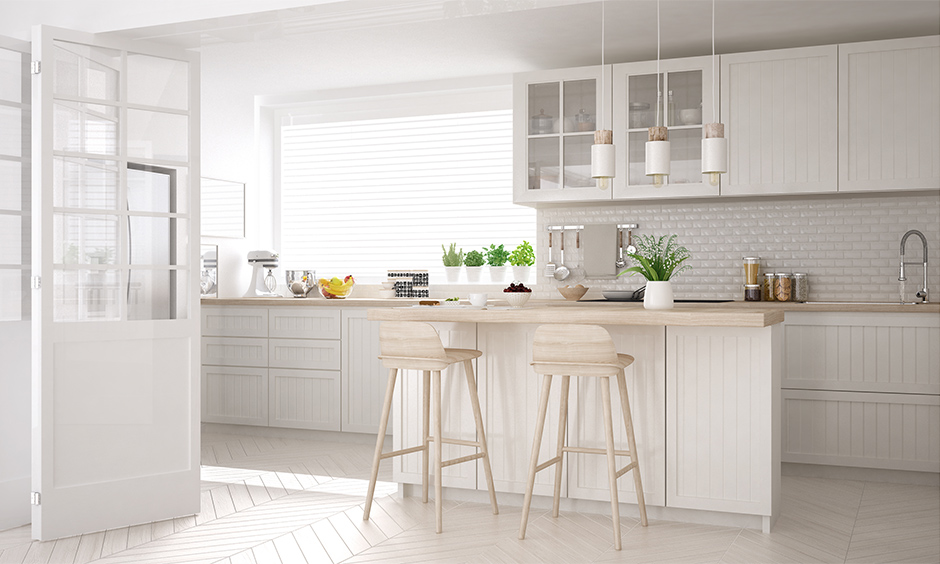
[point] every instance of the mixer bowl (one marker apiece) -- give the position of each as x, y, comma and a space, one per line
300, 282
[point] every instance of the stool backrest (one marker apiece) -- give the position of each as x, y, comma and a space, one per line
410, 339
573, 344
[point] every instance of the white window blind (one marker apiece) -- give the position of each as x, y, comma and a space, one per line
363, 197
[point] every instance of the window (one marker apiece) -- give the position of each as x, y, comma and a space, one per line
366, 196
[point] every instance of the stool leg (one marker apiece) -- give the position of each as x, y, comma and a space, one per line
438, 447
534, 458
426, 432
611, 460
631, 442
478, 416
380, 440
562, 423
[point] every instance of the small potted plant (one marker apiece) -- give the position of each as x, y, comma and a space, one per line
452, 263
522, 259
659, 260
496, 257
474, 262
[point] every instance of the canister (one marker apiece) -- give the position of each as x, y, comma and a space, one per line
768, 290
800, 292
783, 287
752, 292
751, 270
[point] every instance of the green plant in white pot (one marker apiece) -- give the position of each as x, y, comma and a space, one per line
659, 260
522, 258
496, 257
474, 262
452, 263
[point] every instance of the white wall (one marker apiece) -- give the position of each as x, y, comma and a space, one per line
14, 424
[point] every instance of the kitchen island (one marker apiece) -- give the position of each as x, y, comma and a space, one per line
704, 389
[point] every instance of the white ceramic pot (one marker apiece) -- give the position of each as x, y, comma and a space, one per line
474, 274
452, 274
658, 295
521, 273
498, 274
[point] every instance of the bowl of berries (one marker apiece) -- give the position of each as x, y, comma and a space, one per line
517, 294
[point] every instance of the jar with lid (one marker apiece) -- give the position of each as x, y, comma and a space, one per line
751, 270
768, 289
783, 287
800, 291
752, 292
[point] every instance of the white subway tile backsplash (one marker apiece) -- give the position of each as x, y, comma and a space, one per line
832, 239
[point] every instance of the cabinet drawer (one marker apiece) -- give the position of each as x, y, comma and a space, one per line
868, 430
304, 323
235, 395
220, 321
304, 399
235, 351
304, 353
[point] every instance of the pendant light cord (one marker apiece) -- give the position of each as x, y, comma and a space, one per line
714, 69
659, 87
603, 90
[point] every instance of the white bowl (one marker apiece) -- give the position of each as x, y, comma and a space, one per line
690, 116
517, 299
385, 294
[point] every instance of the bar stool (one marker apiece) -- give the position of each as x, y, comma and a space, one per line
409, 345
586, 351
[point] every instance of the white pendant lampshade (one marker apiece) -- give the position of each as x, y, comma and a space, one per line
714, 152
658, 155
603, 156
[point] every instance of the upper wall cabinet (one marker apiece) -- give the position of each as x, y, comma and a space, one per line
779, 109
889, 115
555, 117
681, 97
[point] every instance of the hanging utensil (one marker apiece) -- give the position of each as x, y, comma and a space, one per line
561, 271
620, 262
549, 266
577, 273
630, 248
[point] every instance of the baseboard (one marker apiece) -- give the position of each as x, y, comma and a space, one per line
861, 474
15, 510
302, 434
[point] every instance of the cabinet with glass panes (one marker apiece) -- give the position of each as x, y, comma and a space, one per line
555, 115
682, 98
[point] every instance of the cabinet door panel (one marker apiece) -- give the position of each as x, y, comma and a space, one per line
235, 395
304, 399
304, 354
888, 115
304, 323
235, 351
364, 377
780, 110
224, 321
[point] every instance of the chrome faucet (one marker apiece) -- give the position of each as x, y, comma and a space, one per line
922, 294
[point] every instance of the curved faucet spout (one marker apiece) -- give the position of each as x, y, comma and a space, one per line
901, 277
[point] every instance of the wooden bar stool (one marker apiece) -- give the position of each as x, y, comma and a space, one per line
409, 345
587, 351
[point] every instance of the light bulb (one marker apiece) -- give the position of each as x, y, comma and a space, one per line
713, 178
603, 182
658, 179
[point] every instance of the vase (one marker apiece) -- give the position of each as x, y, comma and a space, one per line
658, 295
521, 273
498, 274
474, 273
452, 274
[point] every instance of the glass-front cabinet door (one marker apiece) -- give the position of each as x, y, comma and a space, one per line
554, 119
680, 97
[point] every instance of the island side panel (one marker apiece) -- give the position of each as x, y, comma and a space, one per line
723, 419
456, 415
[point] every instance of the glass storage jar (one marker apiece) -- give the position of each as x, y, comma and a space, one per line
800, 292
768, 290
783, 287
751, 270
752, 292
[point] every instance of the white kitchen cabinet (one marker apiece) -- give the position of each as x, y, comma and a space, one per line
304, 323
237, 395
234, 322
889, 136
364, 378
554, 119
780, 114
687, 101
304, 399
862, 390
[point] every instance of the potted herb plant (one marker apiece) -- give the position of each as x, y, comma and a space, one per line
452, 263
474, 262
522, 259
659, 260
496, 257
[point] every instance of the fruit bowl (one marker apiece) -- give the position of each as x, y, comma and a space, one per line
573, 293
517, 294
334, 288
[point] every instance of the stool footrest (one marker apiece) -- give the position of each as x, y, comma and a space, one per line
463, 442
584, 450
467, 458
626, 469
401, 452
547, 463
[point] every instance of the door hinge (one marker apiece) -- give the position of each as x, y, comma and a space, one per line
35, 67
35, 498
36, 282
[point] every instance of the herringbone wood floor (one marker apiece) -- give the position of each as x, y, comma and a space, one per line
270, 501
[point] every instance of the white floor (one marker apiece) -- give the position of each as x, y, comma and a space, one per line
295, 501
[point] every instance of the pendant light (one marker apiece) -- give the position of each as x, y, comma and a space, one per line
603, 154
657, 147
714, 145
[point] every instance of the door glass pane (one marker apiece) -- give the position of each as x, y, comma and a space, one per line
580, 105
84, 183
543, 164
155, 81
643, 95
85, 239
14, 130
686, 152
85, 128
578, 161
637, 158
85, 71
152, 294
13, 182
157, 135
150, 188
14, 298
13, 69
543, 108
686, 88
158, 241
87, 295
14, 242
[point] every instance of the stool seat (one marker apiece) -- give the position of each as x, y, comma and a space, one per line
584, 369
409, 345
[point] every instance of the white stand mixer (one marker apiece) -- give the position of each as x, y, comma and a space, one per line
262, 285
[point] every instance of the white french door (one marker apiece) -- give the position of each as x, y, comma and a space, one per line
115, 315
